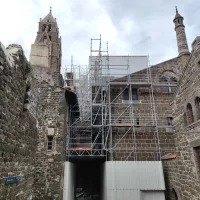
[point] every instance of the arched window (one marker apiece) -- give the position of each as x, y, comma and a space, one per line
49, 27
190, 115
197, 106
43, 27
169, 81
165, 80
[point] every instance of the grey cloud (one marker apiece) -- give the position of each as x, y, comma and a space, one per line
150, 27
156, 35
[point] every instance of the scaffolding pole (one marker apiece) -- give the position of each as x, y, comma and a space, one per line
111, 122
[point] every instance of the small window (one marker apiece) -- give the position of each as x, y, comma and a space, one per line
134, 94
169, 121
126, 94
49, 27
49, 143
165, 81
197, 150
190, 115
43, 27
173, 80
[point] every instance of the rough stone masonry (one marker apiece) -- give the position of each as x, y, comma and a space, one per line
18, 131
34, 109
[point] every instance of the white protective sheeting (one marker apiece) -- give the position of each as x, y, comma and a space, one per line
69, 181
131, 179
135, 63
118, 65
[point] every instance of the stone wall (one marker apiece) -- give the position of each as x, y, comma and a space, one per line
52, 119
142, 135
18, 130
183, 174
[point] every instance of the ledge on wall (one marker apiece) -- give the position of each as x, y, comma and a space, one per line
169, 156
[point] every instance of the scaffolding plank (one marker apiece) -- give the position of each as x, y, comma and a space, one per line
141, 83
80, 149
122, 124
119, 83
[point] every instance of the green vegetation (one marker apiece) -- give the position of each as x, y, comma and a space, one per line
29, 69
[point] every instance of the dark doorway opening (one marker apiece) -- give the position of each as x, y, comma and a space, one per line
89, 177
175, 196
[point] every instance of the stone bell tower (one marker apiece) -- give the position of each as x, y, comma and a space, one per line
52, 111
180, 34
46, 50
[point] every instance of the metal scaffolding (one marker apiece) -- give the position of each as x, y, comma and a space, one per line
112, 118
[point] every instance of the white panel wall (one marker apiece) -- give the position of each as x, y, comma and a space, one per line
126, 179
152, 195
69, 181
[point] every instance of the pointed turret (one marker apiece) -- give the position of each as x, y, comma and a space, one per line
177, 14
49, 18
180, 34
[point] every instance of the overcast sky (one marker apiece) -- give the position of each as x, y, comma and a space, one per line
143, 27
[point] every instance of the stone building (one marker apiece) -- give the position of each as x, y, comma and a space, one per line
34, 114
182, 174
181, 106
52, 115
155, 115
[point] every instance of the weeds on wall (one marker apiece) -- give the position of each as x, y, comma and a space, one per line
29, 69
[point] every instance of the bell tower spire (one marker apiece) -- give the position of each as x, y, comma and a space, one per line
46, 50
180, 34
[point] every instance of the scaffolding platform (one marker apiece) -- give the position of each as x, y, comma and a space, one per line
108, 103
